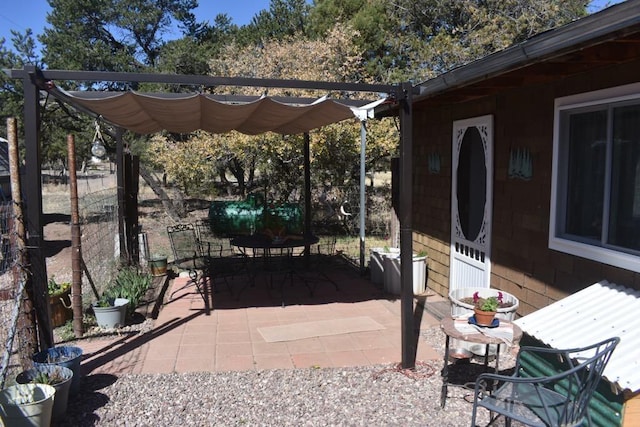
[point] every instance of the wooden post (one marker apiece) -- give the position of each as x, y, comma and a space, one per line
28, 320
76, 245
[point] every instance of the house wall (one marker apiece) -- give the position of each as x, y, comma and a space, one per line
522, 263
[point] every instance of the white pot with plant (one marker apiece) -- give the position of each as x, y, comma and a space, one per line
392, 274
110, 312
57, 376
121, 298
27, 405
376, 262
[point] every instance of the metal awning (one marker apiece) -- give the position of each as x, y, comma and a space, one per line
593, 314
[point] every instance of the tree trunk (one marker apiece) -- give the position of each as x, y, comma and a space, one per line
176, 213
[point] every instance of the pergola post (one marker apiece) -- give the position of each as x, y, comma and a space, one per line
409, 342
37, 282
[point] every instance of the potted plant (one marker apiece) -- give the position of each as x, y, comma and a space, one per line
392, 265
110, 312
57, 376
59, 302
121, 298
158, 264
27, 405
376, 262
485, 309
65, 356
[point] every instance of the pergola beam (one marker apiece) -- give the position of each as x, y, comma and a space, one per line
109, 76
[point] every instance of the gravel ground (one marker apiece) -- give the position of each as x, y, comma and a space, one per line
361, 396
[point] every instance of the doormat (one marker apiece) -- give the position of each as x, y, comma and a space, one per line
321, 328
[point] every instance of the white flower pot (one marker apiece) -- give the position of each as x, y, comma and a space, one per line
392, 280
27, 405
376, 263
112, 316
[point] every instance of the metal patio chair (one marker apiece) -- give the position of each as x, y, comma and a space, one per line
555, 400
227, 261
190, 254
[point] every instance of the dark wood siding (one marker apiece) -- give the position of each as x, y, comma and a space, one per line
522, 263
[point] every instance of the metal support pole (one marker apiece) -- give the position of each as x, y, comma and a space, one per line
307, 194
406, 244
363, 186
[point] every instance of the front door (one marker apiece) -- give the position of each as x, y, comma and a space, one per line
471, 202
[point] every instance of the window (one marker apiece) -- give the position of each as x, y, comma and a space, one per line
595, 206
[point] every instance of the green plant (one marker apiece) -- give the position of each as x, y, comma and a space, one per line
55, 288
104, 301
65, 332
48, 378
487, 304
131, 283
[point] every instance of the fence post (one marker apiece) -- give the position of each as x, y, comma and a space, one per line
29, 340
76, 246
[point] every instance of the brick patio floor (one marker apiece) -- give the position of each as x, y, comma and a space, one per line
185, 339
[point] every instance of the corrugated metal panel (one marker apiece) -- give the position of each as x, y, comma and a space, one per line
598, 312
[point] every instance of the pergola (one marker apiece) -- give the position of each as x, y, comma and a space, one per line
149, 113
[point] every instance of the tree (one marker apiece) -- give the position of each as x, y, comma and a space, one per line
417, 39
284, 19
111, 35
335, 148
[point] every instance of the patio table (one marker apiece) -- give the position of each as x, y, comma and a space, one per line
459, 328
269, 247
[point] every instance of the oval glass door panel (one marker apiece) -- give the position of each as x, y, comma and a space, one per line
472, 182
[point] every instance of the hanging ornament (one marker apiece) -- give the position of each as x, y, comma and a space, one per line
97, 147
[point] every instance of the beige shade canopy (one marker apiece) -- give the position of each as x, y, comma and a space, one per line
182, 113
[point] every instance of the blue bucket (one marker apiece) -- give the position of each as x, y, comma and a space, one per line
67, 356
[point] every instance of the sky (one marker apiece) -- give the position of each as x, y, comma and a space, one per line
22, 14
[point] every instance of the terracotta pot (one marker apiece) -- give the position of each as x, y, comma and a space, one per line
484, 318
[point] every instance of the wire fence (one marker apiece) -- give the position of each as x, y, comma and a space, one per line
17, 334
100, 240
100, 255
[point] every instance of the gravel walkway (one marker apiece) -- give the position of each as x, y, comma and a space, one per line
362, 396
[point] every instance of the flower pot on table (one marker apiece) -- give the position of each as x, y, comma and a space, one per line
484, 318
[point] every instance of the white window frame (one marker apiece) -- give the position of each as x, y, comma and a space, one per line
597, 253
